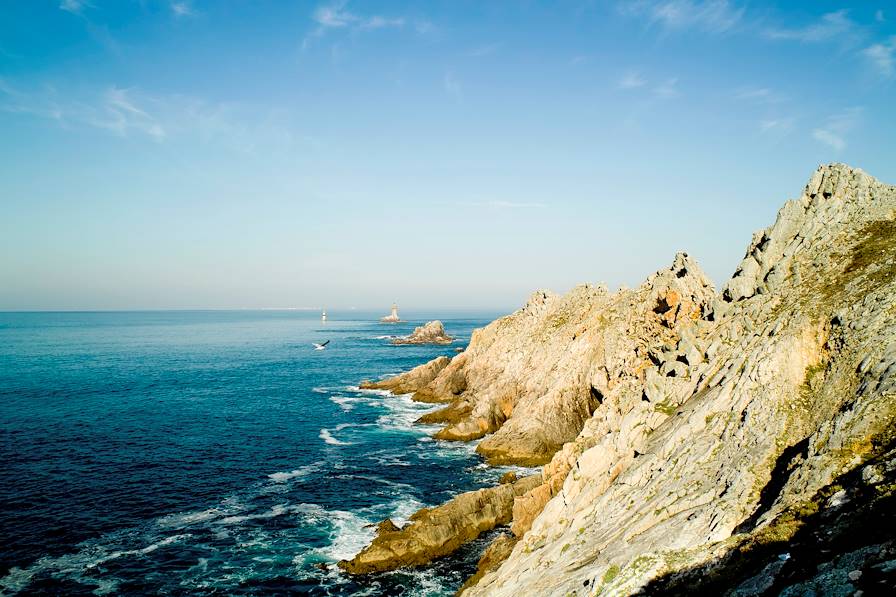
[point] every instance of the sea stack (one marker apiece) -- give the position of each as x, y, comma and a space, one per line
393, 316
432, 332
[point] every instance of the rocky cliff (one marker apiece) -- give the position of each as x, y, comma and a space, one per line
739, 442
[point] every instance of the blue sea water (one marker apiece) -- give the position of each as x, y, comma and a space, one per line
215, 452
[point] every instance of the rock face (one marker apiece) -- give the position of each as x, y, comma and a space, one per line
532, 379
411, 381
432, 332
437, 532
731, 444
738, 443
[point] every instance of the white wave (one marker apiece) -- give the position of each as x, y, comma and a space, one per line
349, 535
344, 402
299, 473
181, 520
76, 565
405, 509
273, 512
386, 337
329, 439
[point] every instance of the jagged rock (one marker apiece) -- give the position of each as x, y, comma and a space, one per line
411, 381
436, 532
530, 380
432, 332
703, 479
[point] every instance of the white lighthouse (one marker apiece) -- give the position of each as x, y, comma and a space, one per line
393, 316
323, 316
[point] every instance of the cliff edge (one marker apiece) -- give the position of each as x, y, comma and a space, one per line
693, 441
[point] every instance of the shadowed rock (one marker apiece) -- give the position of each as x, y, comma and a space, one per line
432, 533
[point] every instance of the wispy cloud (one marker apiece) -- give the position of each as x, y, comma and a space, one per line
879, 16
830, 26
131, 114
74, 6
776, 125
758, 95
883, 57
631, 80
452, 86
336, 16
834, 132
182, 9
710, 16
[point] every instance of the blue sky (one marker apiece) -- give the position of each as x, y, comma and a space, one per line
178, 154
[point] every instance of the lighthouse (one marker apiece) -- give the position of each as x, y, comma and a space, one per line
393, 316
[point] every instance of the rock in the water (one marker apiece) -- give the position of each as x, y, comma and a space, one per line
411, 381
432, 332
436, 532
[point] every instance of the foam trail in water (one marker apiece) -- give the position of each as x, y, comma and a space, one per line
330, 440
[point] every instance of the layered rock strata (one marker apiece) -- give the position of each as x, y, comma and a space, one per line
436, 532
694, 441
530, 380
792, 385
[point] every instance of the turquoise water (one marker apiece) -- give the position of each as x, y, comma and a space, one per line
215, 453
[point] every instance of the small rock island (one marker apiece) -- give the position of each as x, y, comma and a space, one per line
432, 332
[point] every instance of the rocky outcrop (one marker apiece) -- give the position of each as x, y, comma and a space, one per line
532, 379
749, 435
436, 532
412, 381
740, 443
432, 332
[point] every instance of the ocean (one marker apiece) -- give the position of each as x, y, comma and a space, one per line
216, 453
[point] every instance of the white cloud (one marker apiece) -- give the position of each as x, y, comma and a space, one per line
336, 16
831, 25
759, 95
132, 114
837, 127
631, 80
882, 57
829, 138
711, 16
74, 6
378, 22
118, 112
182, 9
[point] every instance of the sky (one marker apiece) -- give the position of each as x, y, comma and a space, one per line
461, 154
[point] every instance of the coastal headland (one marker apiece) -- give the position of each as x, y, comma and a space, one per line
690, 440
